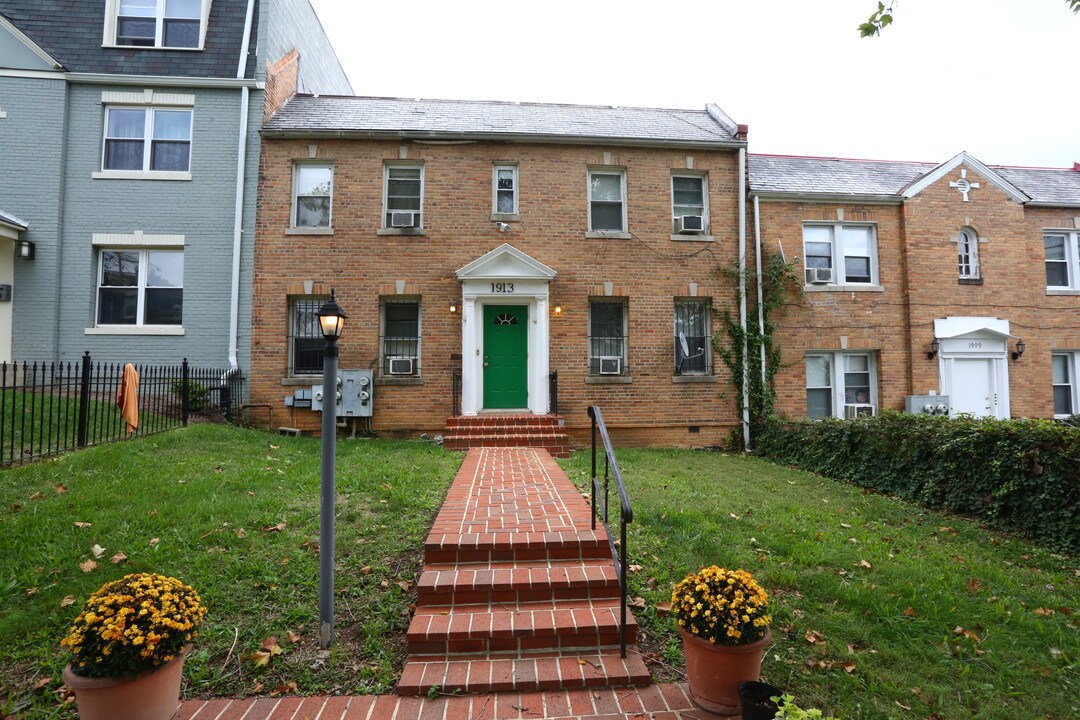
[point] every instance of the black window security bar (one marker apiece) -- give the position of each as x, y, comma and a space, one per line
692, 340
600, 506
306, 340
50, 408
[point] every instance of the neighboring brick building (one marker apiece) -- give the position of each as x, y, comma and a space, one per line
587, 241
923, 279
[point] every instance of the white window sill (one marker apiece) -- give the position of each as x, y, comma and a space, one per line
150, 47
601, 234
135, 330
139, 175
309, 231
843, 288
687, 237
1062, 291
505, 217
401, 231
608, 379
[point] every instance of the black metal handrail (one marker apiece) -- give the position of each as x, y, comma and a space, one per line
455, 390
626, 515
553, 392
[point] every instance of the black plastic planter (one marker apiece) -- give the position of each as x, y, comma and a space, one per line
756, 700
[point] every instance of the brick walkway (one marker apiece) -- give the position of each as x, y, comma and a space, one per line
517, 614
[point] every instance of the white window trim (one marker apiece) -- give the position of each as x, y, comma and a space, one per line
418, 358
383, 228
148, 137
836, 359
607, 170
967, 237
515, 213
137, 328
318, 229
1072, 261
838, 256
1073, 364
112, 14
704, 178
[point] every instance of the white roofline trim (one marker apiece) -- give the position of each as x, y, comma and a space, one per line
160, 80
33, 46
917, 186
713, 110
538, 270
1043, 203
778, 196
951, 327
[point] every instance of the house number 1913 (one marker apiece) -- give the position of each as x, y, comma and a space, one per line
502, 287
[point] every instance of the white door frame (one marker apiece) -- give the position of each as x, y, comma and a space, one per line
976, 339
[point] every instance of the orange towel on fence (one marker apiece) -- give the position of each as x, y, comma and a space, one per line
127, 397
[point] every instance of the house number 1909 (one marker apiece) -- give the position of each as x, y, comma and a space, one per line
502, 287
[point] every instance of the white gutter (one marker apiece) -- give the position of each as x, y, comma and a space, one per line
742, 296
760, 291
166, 80
241, 177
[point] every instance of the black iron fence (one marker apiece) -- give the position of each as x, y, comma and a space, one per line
48, 408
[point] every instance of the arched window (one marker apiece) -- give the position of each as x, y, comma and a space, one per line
967, 252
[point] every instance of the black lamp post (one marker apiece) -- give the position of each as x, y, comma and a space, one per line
332, 322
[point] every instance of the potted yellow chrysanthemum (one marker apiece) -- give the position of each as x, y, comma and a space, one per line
723, 617
128, 645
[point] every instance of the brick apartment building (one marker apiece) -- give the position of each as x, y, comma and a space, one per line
482, 250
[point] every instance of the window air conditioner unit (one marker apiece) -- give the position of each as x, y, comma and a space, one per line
401, 365
689, 225
818, 276
610, 365
404, 219
855, 411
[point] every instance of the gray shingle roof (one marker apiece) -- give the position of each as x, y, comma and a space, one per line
6, 217
398, 117
834, 176
71, 32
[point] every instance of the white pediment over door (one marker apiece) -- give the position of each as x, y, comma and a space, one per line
506, 262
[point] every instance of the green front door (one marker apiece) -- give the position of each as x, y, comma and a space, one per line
506, 371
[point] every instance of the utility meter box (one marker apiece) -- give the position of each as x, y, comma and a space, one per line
927, 404
354, 394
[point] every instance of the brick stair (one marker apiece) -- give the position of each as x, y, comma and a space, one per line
518, 611
507, 430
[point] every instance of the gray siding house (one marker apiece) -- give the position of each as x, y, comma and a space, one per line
129, 155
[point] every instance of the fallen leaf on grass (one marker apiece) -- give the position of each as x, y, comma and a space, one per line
910, 612
633, 568
733, 516
966, 633
1056, 653
240, 533
814, 637
845, 525
60, 488
290, 686
97, 550
662, 609
68, 600
81, 525
864, 564
257, 689
384, 584
259, 658
88, 566
28, 592
294, 637
849, 667
275, 528
901, 705
636, 602
154, 542
271, 646
40, 684
403, 584
37, 496
118, 558
958, 559
366, 570
974, 585
1044, 612
818, 664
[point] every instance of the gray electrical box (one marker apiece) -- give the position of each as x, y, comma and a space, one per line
5, 293
355, 394
927, 404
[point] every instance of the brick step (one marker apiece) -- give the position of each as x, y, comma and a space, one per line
515, 546
551, 625
558, 444
459, 422
473, 584
523, 672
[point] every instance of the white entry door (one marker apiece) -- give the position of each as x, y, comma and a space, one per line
972, 388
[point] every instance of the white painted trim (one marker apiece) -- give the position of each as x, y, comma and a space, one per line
722, 118
703, 176
135, 330
917, 186
837, 374
843, 288
619, 171
9, 231
513, 166
999, 378
30, 44
415, 164
830, 198
138, 239
148, 96
138, 174
327, 229
162, 80
951, 327
148, 144
505, 262
836, 243
112, 14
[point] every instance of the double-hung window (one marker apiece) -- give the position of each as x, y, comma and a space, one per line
140, 287
157, 23
505, 190
403, 196
688, 194
967, 254
313, 187
692, 344
147, 140
607, 336
840, 384
607, 201
840, 254
1064, 367
400, 337
306, 342
1062, 260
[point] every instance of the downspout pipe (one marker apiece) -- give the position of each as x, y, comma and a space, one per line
760, 291
742, 297
241, 179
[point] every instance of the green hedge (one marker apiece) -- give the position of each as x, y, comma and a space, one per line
1021, 476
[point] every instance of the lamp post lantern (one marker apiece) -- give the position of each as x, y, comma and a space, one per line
332, 322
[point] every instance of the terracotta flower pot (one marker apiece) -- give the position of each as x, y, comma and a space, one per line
154, 695
714, 672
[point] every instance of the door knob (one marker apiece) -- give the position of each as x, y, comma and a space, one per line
485, 364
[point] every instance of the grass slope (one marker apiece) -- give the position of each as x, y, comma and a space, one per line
235, 513
934, 616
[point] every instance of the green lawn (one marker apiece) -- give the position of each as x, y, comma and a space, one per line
234, 513
929, 613
920, 615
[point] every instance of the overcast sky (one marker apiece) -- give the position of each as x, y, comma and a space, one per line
997, 78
